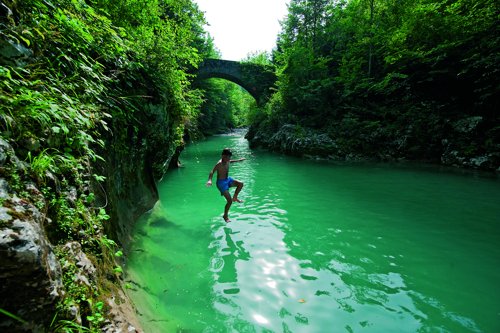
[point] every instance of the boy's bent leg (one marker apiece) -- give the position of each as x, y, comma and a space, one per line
239, 186
228, 205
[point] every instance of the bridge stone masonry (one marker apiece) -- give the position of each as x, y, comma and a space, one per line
258, 80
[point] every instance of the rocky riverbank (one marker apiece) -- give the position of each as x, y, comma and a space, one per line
459, 144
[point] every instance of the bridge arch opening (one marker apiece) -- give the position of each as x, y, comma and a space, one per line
221, 76
226, 105
258, 80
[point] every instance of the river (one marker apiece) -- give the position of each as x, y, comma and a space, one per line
318, 246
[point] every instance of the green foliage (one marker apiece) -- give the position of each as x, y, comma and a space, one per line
94, 74
226, 106
259, 58
13, 316
406, 66
66, 326
81, 296
97, 318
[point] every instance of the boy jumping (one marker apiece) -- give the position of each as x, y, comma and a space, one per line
224, 182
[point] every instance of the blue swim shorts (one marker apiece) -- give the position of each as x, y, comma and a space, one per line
224, 184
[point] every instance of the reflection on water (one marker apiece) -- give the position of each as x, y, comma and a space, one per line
317, 247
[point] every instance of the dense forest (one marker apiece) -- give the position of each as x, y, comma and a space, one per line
97, 96
387, 80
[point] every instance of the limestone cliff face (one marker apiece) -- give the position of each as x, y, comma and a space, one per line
30, 274
29, 271
61, 219
136, 154
38, 268
130, 190
136, 158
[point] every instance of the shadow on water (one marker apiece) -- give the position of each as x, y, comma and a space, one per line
224, 260
236, 249
161, 222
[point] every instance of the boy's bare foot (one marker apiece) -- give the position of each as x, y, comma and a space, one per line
226, 218
237, 200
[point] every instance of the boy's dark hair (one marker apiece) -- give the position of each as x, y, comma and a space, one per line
227, 152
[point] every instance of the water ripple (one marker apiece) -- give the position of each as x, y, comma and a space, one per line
318, 247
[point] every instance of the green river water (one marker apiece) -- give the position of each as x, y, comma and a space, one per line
318, 247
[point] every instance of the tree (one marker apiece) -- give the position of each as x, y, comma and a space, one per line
408, 66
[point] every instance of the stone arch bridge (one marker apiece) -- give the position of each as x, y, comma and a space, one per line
258, 80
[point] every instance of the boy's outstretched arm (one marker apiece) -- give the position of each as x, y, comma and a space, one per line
238, 160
